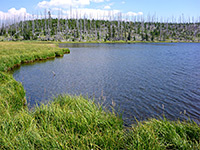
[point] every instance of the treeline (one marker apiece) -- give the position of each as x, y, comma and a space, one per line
99, 30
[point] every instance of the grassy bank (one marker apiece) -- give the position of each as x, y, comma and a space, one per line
77, 123
12, 54
74, 122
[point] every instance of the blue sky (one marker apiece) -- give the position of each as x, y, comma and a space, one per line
164, 8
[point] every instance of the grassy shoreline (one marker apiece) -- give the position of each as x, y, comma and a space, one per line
13, 54
74, 122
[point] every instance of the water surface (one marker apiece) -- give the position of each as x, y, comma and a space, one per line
143, 80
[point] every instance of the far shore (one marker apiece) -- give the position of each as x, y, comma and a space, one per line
101, 42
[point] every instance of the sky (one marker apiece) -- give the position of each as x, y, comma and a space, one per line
163, 9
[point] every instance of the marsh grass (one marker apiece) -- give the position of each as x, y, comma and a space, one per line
73, 122
76, 123
12, 94
165, 134
68, 122
14, 53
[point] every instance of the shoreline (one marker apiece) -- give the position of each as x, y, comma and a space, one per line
98, 42
75, 122
127, 42
9, 62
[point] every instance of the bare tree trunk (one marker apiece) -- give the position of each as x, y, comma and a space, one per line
45, 22
33, 25
160, 31
49, 24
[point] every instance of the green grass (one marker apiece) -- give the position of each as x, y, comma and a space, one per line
15, 53
77, 123
12, 54
68, 122
164, 134
74, 122
12, 94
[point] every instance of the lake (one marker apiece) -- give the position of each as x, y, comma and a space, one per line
139, 80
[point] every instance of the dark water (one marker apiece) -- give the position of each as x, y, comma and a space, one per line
143, 80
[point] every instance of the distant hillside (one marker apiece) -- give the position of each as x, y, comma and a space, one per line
99, 30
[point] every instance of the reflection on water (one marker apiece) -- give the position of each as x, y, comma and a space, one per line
144, 80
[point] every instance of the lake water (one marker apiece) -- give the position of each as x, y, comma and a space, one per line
142, 80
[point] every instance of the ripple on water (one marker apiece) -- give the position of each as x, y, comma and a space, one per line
144, 80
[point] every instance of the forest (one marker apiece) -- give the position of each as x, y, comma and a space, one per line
87, 29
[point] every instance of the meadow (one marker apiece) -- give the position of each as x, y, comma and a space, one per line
73, 122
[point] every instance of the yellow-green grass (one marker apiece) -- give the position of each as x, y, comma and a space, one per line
15, 53
74, 122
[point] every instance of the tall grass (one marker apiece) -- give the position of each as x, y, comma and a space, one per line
74, 122
77, 123
164, 134
68, 122
12, 94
